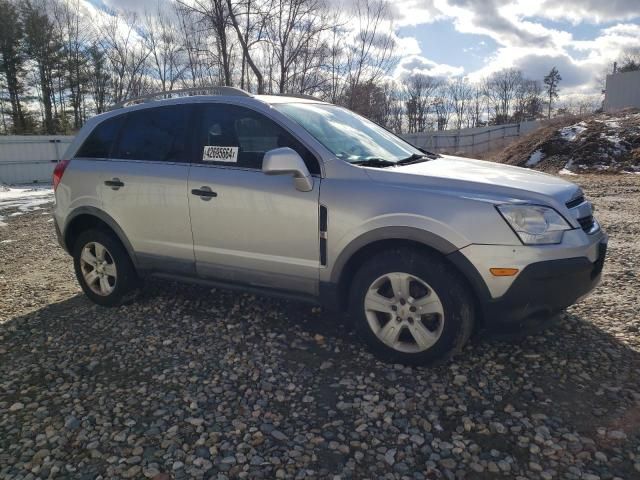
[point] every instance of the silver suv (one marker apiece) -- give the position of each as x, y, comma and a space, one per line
297, 197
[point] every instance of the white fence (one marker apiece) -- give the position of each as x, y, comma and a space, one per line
30, 158
622, 91
471, 140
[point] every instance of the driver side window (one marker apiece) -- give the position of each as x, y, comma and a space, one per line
239, 137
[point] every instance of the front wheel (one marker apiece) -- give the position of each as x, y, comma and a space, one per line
103, 268
411, 307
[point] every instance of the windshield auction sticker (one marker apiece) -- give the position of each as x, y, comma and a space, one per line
213, 153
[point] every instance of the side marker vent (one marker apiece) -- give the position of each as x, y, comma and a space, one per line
323, 235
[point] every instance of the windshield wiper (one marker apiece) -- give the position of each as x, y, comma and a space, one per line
416, 158
373, 162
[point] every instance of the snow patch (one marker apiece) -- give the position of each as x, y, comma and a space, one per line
535, 158
571, 132
23, 199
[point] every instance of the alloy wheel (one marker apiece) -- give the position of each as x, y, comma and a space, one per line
98, 268
404, 312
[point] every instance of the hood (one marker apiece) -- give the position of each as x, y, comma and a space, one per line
488, 178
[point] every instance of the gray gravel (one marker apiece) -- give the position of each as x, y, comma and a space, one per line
201, 383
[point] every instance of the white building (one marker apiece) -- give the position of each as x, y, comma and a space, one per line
622, 91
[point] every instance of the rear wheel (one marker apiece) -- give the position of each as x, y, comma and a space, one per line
411, 307
103, 268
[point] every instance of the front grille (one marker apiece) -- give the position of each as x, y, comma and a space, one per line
586, 223
575, 202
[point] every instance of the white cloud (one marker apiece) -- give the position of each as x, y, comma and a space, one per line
416, 64
595, 11
580, 76
408, 45
536, 63
414, 12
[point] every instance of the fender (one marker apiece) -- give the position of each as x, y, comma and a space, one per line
108, 220
389, 233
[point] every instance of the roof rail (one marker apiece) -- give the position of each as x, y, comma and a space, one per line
294, 95
232, 91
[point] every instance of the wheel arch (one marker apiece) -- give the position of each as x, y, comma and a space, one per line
83, 218
364, 247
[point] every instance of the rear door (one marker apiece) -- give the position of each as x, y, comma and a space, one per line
257, 229
144, 186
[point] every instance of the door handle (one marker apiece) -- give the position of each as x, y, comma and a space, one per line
114, 183
204, 193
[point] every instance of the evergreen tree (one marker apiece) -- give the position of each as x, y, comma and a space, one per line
551, 81
12, 61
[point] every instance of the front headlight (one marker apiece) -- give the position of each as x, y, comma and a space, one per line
535, 224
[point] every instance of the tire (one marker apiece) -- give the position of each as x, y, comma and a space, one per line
116, 268
432, 322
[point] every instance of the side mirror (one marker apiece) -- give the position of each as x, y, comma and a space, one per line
286, 161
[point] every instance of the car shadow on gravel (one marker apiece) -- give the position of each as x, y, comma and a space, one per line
215, 362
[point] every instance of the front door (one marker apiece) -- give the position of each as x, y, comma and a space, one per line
251, 228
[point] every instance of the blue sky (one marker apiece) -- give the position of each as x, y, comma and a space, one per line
440, 42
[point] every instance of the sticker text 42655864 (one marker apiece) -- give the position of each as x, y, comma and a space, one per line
214, 153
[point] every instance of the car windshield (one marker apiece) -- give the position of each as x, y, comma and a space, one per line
348, 135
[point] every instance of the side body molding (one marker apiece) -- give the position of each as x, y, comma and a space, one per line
104, 217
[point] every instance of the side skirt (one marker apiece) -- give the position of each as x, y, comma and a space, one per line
270, 292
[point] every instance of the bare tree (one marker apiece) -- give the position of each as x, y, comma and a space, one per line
460, 93
126, 56
75, 34
371, 55
501, 89
191, 38
335, 64
291, 28
420, 90
443, 107
218, 16
396, 108
474, 112
307, 73
249, 33
98, 77
167, 55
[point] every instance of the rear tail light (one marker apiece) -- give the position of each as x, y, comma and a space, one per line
58, 172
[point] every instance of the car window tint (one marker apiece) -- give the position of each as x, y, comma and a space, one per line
155, 134
98, 143
244, 136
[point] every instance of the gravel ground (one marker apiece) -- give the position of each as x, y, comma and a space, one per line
201, 383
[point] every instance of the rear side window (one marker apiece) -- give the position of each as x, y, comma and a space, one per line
236, 136
98, 143
155, 134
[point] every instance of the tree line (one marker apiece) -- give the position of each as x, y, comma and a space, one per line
59, 65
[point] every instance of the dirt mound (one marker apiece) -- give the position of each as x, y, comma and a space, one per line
597, 143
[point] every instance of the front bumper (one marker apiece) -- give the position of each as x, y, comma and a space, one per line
550, 278
544, 288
